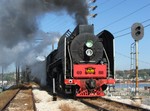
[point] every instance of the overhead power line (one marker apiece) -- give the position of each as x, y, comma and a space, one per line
130, 58
147, 26
126, 16
145, 21
105, 2
123, 35
122, 30
130, 32
130, 27
113, 6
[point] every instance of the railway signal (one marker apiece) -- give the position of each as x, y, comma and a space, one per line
137, 32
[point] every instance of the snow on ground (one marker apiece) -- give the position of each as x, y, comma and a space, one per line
44, 102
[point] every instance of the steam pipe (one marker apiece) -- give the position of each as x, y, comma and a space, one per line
65, 58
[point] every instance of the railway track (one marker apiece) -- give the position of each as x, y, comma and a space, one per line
102, 104
6, 97
20, 99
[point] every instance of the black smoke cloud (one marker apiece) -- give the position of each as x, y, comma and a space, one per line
18, 17
18, 29
18, 25
76, 8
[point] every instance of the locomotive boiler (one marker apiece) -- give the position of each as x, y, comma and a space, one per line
83, 63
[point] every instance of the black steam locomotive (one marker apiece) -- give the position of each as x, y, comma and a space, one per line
83, 63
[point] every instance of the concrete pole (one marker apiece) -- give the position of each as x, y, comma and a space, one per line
136, 70
2, 78
136, 98
16, 75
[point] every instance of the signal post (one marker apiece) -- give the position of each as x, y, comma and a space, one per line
137, 30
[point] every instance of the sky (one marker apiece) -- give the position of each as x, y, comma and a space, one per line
23, 18
114, 16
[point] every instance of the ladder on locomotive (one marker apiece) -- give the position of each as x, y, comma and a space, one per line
67, 33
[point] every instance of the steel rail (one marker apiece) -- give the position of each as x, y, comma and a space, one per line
10, 99
100, 107
127, 105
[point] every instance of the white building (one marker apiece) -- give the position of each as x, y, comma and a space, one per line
4, 83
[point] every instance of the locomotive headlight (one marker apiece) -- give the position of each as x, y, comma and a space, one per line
89, 52
89, 43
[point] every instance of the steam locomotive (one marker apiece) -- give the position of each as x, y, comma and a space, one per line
83, 63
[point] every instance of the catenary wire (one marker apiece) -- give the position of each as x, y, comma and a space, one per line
112, 7
130, 58
126, 16
129, 27
129, 32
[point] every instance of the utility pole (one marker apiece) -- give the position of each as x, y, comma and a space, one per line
136, 68
17, 74
137, 30
2, 78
